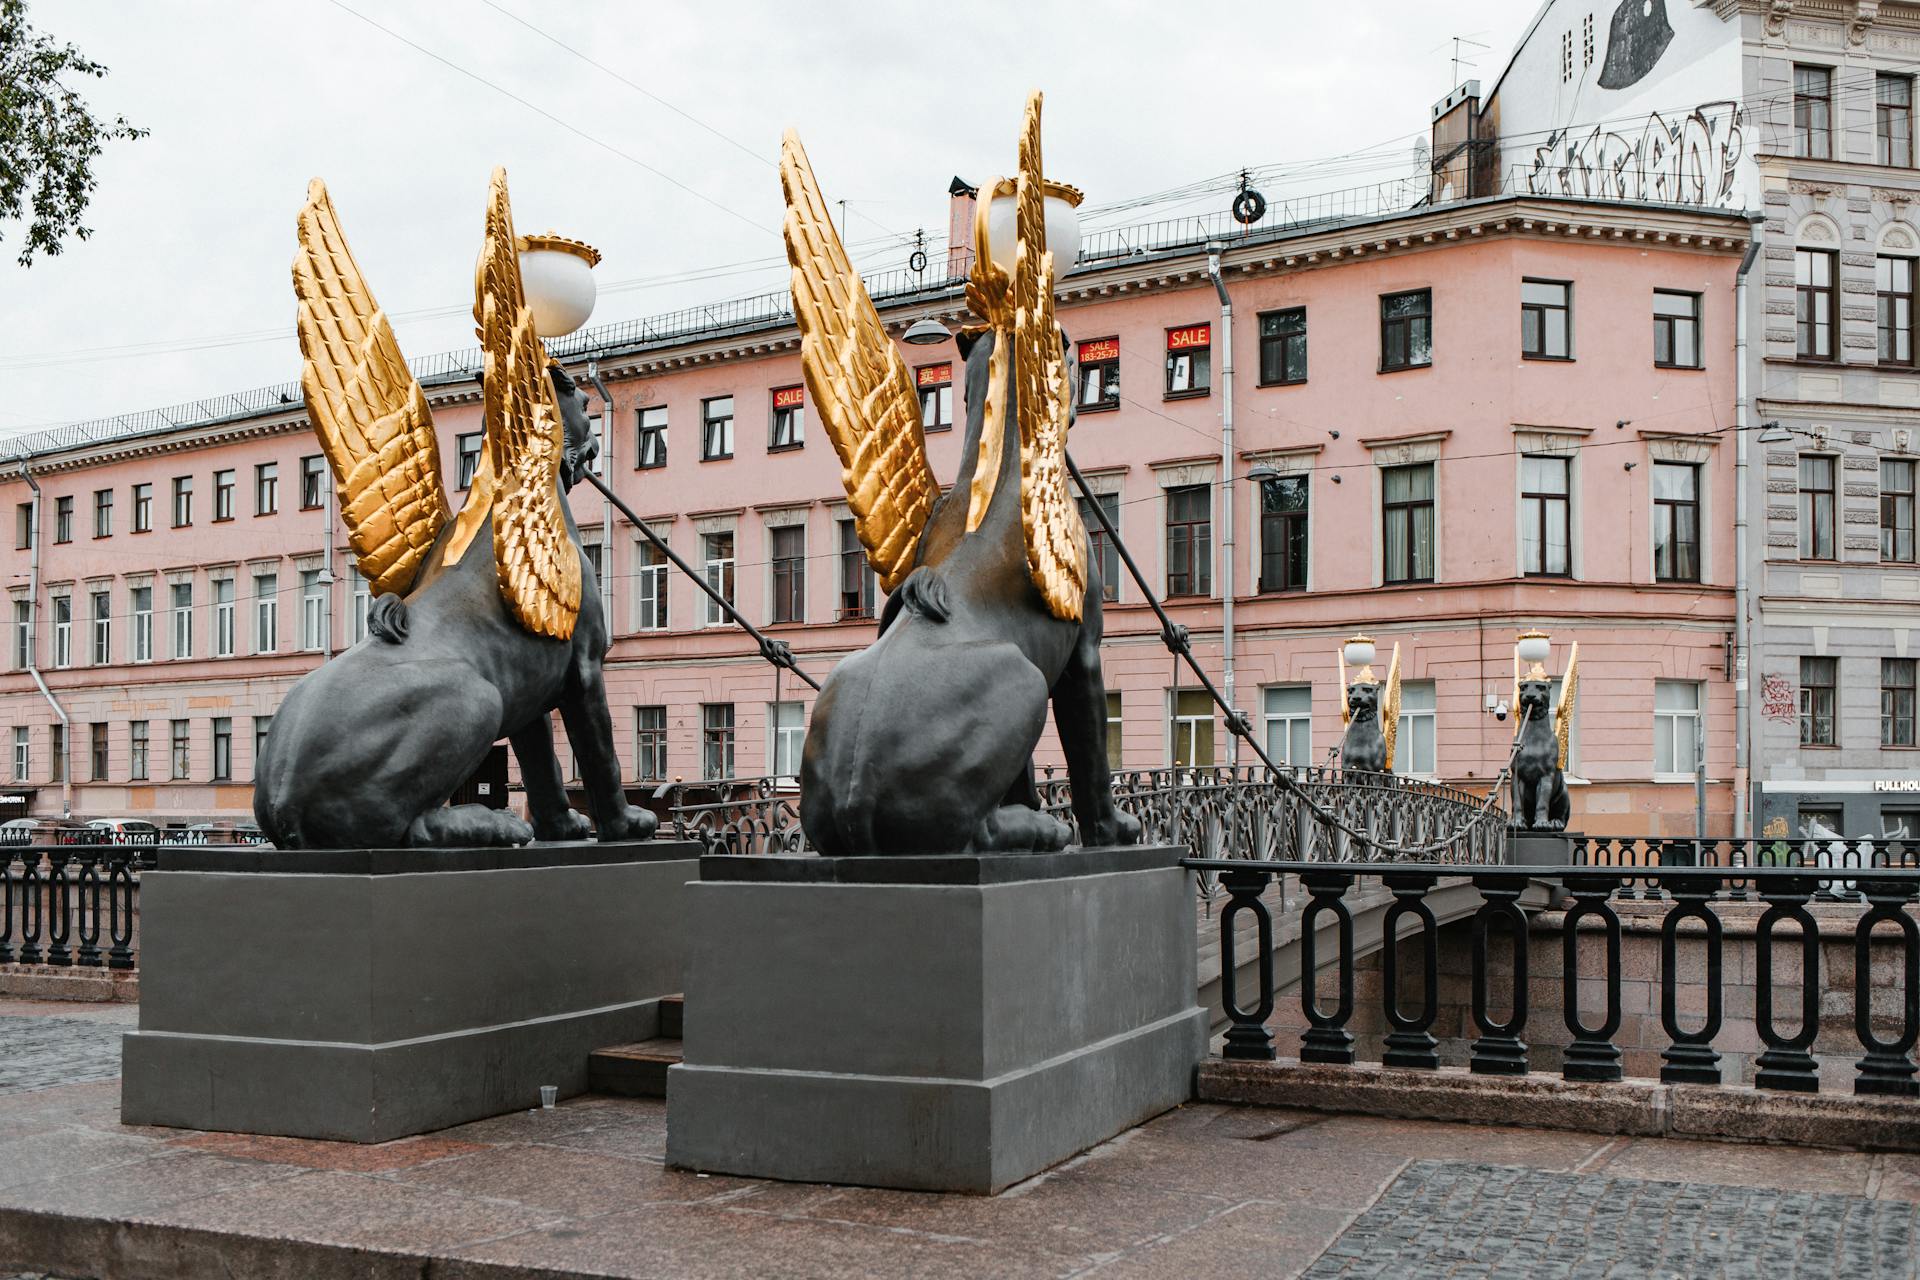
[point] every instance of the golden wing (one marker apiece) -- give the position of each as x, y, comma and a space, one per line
1563, 714
1390, 705
367, 408
536, 561
1340, 680
856, 377
1056, 536
1513, 704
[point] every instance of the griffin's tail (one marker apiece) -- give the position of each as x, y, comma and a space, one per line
925, 593
388, 619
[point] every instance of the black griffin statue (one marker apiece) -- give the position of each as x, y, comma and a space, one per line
923, 742
1371, 713
483, 624
1540, 800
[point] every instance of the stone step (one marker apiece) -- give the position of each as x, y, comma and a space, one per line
673, 1011
633, 1070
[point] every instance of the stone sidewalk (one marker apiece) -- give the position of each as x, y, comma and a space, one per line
1206, 1189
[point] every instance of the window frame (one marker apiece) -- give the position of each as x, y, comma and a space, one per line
1106, 369
786, 424
650, 743
857, 587
785, 739
62, 630
718, 740
98, 752
103, 513
721, 573
1899, 678
1290, 719
179, 750
1181, 717
1812, 111
101, 635
180, 619
1696, 715
1277, 546
1397, 356
649, 438
225, 633
266, 488
222, 733
709, 421
1813, 516
789, 601
1671, 324
182, 508
1890, 305
1894, 502
1542, 500
1543, 310
143, 508
266, 613
1407, 732
223, 487
1672, 508
1892, 147
1196, 575
651, 602
313, 476
142, 622
1411, 506
139, 750
63, 518
1281, 345
1811, 714
1807, 299
467, 446
1198, 357
1104, 551
936, 395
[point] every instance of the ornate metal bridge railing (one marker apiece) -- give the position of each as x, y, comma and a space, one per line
1316, 815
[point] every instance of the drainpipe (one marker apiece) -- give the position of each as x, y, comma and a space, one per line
1226, 495
606, 503
1743, 626
33, 646
326, 570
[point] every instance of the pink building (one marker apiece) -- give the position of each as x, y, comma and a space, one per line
1452, 424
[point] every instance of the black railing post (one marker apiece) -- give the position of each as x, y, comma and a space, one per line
30, 907
86, 909
120, 897
1887, 1067
1592, 1055
1411, 1042
1327, 1038
1248, 1038
6, 906
1785, 1063
59, 916
1499, 1050
1690, 1055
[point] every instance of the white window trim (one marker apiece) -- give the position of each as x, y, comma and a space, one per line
1549, 442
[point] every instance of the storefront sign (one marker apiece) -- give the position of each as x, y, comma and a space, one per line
1196, 335
934, 375
789, 397
1896, 784
1099, 349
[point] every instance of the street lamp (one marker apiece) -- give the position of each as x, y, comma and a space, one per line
926, 332
557, 276
1061, 204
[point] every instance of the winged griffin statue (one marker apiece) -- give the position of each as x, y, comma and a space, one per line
1369, 709
482, 623
1543, 731
923, 742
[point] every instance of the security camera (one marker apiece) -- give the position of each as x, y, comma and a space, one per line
1500, 710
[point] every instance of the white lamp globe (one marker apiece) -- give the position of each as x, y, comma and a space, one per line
1534, 648
1359, 652
557, 274
1062, 223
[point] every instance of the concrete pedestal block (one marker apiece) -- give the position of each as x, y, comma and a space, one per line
1539, 848
940, 1023
365, 995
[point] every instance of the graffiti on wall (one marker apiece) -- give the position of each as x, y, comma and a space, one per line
1691, 159
1777, 700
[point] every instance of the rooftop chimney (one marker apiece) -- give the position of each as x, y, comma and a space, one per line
960, 228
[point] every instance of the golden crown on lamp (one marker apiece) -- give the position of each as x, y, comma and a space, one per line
556, 274
1360, 652
1533, 649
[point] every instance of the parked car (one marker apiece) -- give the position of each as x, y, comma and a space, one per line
215, 833
18, 832
126, 830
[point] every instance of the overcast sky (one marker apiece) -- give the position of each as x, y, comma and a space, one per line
183, 291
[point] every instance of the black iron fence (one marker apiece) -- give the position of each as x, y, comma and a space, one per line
71, 906
1693, 894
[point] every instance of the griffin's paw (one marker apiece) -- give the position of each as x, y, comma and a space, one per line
1124, 828
629, 824
569, 824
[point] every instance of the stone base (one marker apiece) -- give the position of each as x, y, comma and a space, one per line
366, 995
942, 1024
1539, 848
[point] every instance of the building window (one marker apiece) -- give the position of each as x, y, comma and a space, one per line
1545, 517
182, 754
1813, 303
789, 555
1115, 754
22, 753
141, 598
650, 595
137, 750
1192, 729
1894, 287
222, 749
1676, 522
1893, 120
1189, 361
1546, 320
266, 488
97, 752
1676, 727
716, 428
63, 519
22, 634
182, 619
223, 618
856, 575
222, 495
102, 628
935, 384
1586, 40
1283, 534
1896, 702
1283, 347
1406, 523
788, 428
1414, 746
143, 508
650, 743
1099, 361
103, 513
650, 444
23, 527
1406, 330
1676, 329
716, 740
1812, 112
595, 466
1896, 510
1816, 507
266, 612
57, 740
1818, 678
261, 726
313, 471
788, 721
1566, 56
718, 549
466, 450
63, 631
182, 501
361, 594
1190, 540
1289, 715
313, 610
1106, 555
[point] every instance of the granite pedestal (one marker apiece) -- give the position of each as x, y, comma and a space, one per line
1539, 848
365, 995
933, 1023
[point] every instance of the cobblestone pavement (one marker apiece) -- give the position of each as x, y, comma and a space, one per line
1449, 1219
38, 1052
